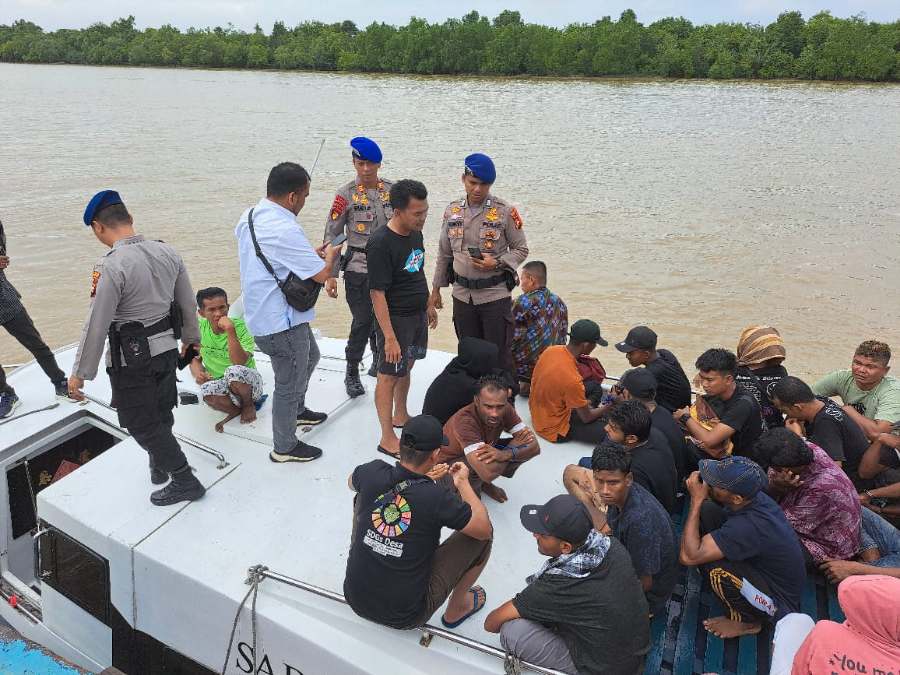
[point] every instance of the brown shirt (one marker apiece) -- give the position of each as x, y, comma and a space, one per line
360, 212
466, 431
495, 228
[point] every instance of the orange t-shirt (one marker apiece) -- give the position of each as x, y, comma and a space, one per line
556, 390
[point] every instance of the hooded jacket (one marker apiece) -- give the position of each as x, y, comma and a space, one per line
455, 386
870, 637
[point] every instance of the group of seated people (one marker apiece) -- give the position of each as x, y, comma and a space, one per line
781, 480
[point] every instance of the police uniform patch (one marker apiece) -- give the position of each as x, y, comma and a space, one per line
455, 210
516, 218
337, 208
360, 227
492, 214
95, 279
488, 244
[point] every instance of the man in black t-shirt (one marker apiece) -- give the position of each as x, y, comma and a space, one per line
674, 389
738, 414
628, 424
396, 259
821, 421
584, 610
640, 384
397, 574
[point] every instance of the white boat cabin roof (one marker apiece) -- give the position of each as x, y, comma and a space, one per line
178, 572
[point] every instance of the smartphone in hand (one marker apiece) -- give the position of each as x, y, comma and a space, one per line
338, 240
475, 252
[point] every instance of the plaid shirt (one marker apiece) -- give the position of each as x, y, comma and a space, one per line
540, 319
10, 305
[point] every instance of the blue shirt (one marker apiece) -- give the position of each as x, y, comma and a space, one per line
643, 526
760, 535
288, 250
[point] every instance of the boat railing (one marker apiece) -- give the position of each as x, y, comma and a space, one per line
511, 664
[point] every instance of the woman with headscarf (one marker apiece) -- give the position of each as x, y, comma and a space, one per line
455, 386
760, 353
867, 642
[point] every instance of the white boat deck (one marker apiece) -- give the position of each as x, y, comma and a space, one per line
190, 560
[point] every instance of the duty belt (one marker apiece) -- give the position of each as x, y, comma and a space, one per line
348, 256
489, 282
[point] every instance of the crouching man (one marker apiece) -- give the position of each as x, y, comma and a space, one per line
584, 610
225, 369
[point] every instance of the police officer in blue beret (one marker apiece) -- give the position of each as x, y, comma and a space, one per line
142, 302
482, 243
360, 208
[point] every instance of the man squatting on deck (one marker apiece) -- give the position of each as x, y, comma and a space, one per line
142, 301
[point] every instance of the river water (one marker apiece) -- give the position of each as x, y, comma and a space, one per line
695, 207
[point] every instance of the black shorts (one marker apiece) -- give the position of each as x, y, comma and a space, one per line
412, 334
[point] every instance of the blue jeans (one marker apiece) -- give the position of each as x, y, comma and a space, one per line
294, 355
878, 533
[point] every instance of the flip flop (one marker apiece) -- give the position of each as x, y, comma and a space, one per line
392, 455
477, 608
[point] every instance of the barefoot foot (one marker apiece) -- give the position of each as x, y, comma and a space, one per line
725, 628
248, 414
498, 494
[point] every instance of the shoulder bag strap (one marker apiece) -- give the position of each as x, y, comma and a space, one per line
259, 253
397, 489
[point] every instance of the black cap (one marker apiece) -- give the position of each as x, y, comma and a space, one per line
639, 337
585, 330
640, 383
423, 432
563, 517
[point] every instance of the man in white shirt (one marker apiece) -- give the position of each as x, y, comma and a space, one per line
282, 331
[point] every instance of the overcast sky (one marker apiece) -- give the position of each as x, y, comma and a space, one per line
52, 14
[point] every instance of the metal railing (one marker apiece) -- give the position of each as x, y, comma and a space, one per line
511, 664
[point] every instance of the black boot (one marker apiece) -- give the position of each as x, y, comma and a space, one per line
351, 380
184, 487
157, 476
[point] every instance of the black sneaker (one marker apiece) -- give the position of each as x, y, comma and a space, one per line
302, 452
311, 418
184, 487
353, 385
8, 403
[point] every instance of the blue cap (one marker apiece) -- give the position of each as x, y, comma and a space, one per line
737, 474
366, 148
99, 201
482, 167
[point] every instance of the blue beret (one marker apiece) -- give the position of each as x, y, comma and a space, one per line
366, 148
482, 167
99, 201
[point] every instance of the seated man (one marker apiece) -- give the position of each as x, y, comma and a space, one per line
225, 369
817, 498
559, 408
760, 353
870, 396
474, 438
743, 543
454, 387
633, 517
640, 384
540, 320
739, 418
583, 611
881, 464
821, 421
639, 347
397, 575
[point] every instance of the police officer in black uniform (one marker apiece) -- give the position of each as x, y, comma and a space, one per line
142, 301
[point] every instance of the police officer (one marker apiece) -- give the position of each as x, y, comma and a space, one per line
360, 207
481, 244
142, 300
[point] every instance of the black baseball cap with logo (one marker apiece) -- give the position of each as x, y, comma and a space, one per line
563, 517
423, 432
585, 330
639, 337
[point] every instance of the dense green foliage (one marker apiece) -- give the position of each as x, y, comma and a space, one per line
822, 48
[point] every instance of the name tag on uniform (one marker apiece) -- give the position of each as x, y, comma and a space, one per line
364, 216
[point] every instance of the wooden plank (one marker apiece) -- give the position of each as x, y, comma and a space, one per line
747, 654
684, 646
657, 641
835, 613
808, 603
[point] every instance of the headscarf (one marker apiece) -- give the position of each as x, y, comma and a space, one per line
476, 357
579, 563
871, 604
758, 344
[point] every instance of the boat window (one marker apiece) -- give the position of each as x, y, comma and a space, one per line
26, 479
77, 572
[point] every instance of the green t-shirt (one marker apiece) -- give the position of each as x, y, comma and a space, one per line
879, 403
214, 347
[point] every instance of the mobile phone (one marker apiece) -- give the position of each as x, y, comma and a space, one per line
338, 240
188, 357
475, 252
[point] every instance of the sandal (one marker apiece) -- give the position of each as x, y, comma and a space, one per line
477, 608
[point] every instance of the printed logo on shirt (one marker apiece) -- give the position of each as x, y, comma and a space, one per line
390, 520
415, 261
